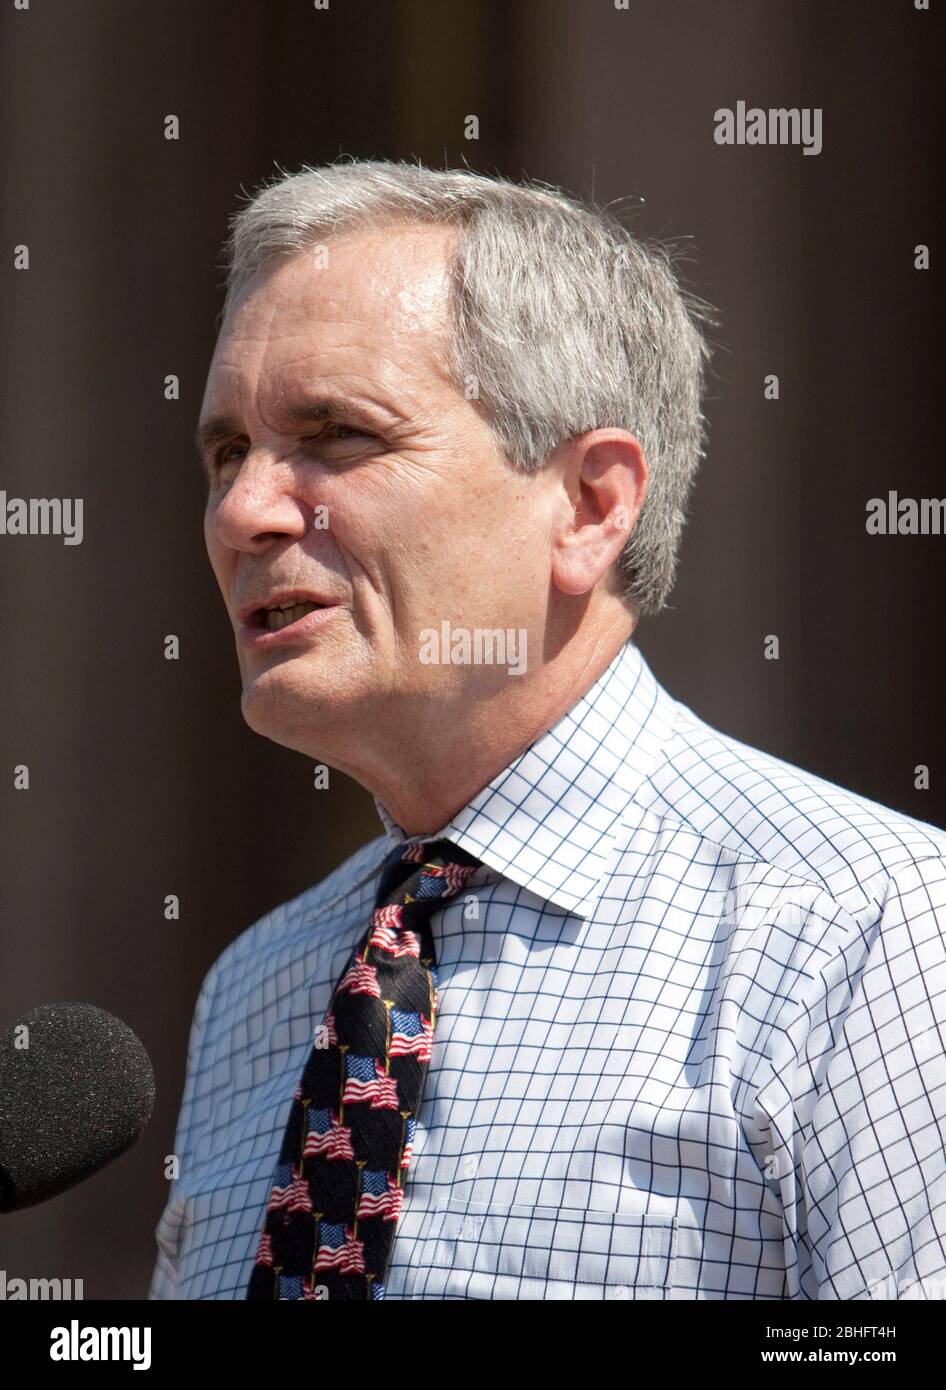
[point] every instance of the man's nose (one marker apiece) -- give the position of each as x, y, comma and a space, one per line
259, 505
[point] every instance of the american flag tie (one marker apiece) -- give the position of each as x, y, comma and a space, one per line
338, 1187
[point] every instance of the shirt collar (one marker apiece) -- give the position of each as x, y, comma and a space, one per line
549, 821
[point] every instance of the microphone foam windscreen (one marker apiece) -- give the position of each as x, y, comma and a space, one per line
74, 1097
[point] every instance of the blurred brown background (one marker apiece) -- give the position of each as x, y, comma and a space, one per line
144, 780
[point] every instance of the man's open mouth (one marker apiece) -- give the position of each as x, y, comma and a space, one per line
272, 619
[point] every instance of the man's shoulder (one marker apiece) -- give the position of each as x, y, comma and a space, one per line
758, 807
345, 886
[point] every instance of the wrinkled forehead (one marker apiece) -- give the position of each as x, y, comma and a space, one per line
380, 294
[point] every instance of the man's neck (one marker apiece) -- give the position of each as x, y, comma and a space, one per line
484, 739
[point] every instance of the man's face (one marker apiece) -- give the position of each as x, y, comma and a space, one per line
393, 509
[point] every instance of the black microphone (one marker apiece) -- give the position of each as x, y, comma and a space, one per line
75, 1098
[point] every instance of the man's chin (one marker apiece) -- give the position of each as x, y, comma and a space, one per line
283, 706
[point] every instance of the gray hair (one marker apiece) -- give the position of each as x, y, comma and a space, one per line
564, 320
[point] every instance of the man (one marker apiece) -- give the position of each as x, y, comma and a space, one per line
616, 1007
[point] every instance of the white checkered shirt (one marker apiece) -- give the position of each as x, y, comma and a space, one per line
690, 1042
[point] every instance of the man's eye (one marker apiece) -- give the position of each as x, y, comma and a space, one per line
349, 431
339, 432
221, 459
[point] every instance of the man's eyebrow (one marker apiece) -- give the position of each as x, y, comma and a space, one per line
312, 410
212, 430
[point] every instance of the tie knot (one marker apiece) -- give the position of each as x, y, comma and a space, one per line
435, 868
437, 851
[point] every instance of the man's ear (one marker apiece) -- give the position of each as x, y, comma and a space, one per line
604, 481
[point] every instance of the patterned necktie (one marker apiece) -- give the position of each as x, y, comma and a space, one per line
338, 1186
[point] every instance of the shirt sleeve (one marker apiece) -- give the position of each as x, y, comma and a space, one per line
166, 1277
872, 1169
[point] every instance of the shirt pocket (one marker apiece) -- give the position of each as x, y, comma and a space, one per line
483, 1251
